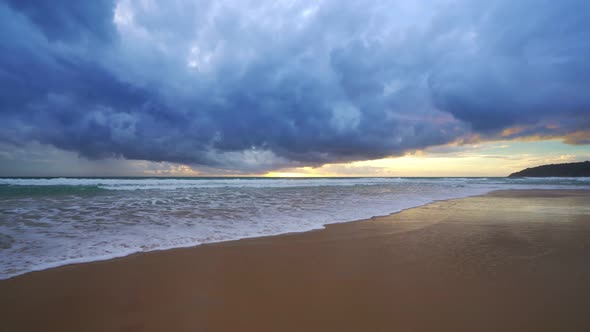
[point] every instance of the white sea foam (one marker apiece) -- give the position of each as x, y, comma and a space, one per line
180, 183
49, 228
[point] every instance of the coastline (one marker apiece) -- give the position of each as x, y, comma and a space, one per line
129, 251
453, 264
127, 217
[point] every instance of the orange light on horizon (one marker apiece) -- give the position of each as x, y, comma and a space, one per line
493, 158
287, 175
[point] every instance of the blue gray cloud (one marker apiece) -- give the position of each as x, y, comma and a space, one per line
252, 86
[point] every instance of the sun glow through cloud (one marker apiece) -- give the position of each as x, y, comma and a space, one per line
485, 159
292, 88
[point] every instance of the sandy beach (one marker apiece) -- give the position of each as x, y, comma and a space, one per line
506, 261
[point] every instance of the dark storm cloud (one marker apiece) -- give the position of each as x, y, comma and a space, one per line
529, 65
250, 86
69, 20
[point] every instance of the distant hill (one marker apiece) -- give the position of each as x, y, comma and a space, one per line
556, 170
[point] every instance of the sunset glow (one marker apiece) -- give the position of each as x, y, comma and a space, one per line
291, 88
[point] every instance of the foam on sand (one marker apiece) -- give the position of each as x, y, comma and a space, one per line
50, 222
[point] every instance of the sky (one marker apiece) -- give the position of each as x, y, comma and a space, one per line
292, 88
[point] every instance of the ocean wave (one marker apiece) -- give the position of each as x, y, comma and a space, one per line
8, 190
59, 184
51, 222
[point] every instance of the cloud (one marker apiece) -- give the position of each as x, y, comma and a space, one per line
64, 20
252, 86
526, 67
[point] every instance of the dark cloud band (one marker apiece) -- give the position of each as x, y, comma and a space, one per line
251, 86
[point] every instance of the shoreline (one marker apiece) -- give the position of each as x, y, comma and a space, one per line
491, 262
90, 260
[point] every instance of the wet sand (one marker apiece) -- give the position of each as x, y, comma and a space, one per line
507, 261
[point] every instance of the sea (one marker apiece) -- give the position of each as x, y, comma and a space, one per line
49, 222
